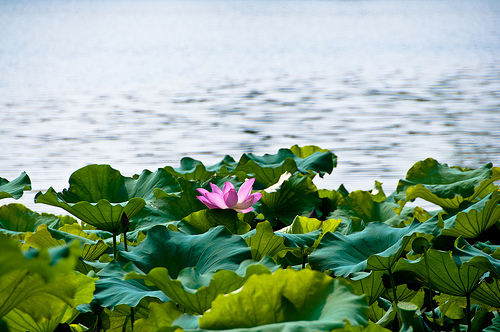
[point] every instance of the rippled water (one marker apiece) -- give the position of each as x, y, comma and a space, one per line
139, 85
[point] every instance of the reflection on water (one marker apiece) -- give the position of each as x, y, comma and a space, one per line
84, 85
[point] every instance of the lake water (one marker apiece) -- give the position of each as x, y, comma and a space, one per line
141, 84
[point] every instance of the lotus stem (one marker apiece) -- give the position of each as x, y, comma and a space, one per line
132, 318
434, 326
467, 313
115, 250
395, 296
304, 261
125, 240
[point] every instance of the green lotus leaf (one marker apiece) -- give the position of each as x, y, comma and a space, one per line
119, 319
495, 326
40, 239
84, 295
111, 290
93, 245
192, 169
405, 294
304, 225
369, 284
446, 186
304, 235
445, 275
464, 252
18, 219
182, 204
161, 315
103, 214
40, 284
451, 306
474, 220
18, 321
208, 252
264, 242
329, 200
315, 159
147, 182
267, 169
32, 295
286, 300
488, 293
297, 196
48, 263
93, 183
201, 221
377, 247
99, 194
195, 291
372, 327
368, 207
15, 188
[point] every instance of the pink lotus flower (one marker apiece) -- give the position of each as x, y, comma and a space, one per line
227, 198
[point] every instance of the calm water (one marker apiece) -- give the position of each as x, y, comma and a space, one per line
141, 84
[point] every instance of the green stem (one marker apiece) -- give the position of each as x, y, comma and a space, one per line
125, 240
131, 308
304, 261
467, 314
115, 250
434, 326
132, 317
395, 296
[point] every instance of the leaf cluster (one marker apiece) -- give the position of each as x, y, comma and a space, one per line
142, 253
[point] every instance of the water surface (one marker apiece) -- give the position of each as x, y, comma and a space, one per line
141, 84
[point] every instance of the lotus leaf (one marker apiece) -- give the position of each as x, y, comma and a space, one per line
464, 252
495, 326
263, 242
372, 327
445, 275
296, 196
161, 315
201, 221
175, 251
103, 214
99, 194
195, 291
40, 239
192, 169
111, 290
474, 220
18, 219
40, 286
48, 263
368, 283
178, 206
488, 293
369, 207
119, 319
19, 321
377, 247
446, 186
16, 187
268, 168
287, 299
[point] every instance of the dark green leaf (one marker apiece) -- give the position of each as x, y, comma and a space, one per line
201, 221
377, 247
287, 300
16, 187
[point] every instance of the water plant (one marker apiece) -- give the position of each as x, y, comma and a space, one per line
262, 249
